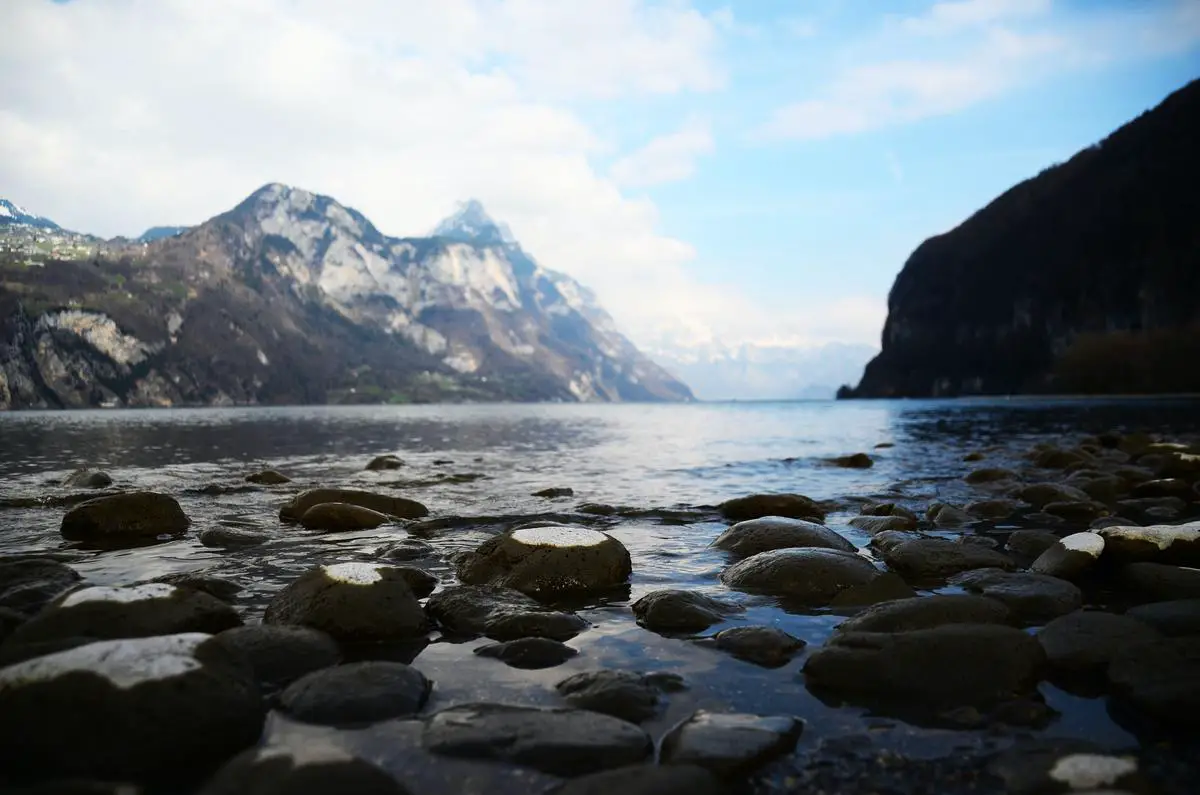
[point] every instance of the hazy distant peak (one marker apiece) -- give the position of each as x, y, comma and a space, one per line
472, 224
13, 213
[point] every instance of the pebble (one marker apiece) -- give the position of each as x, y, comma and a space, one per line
1174, 618
408, 549
29, 584
1031, 597
729, 743
755, 506
279, 655
351, 602
120, 519
228, 537
1071, 557
622, 694
937, 558
925, 612
499, 613
548, 560
1158, 581
812, 576
777, 532
529, 653
268, 477
384, 462
678, 611
341, 517
645, 780
769, 647
400, 507
355, 693
1161, 678
1088, 639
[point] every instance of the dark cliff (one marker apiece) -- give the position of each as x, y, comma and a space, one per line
1084, 279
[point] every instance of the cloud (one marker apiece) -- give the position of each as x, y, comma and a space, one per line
952, 17
116, 115
667, 158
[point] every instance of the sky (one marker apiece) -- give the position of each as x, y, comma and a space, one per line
720, 173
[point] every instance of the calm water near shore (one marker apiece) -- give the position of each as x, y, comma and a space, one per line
486, 460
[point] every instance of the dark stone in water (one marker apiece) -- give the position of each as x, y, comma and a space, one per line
529, 653
351, 602
553, 625
127, 709
926, 612
769, 647
729, 744
88, 479
548, 560
279, 655
561, 742
1174, 618
1161, 679
1158, 581
362, 692
29, 584
777, 532
1031, 597
499, 613
116, 518
937, 558
408, 549
555, 492
313, 769
268, 477
1087, 640
794, 506
622, 694
675, 611
807, 575
340, 517
852, 461
420, 581
645, 780
294, 509
229, 537
219, 587
384, 462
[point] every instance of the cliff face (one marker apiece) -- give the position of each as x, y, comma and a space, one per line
1084, 279
293, 298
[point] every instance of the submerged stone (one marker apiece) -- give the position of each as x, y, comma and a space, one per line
500, 613
937, 558
622, 694
778, 532
812, 576
729, 744
548, 560
122, 518
676, 611
926, 612
361, 692
335, 517
1031, 597
29, 584
793, 506
529, 653
294, 509
769, 647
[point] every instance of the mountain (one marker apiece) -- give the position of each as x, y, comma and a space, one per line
11, 213
764, 372
1084, 279
291, 297
159, 232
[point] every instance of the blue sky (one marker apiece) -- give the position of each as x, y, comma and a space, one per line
721, 174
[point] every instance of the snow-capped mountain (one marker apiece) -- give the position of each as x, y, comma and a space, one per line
159, 232
12, 213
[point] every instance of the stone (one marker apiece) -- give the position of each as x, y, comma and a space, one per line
977, 540
852, 461
1161, 679
1102, 488
88, 479
938, 558
548, 561
1070, 557
341, 517
561, 742
138, 611
1163, 487
943, 515
529, 653
1030, 543
1168, 507
950, 665
676, 611
1087, 640
216, 587
1030, 597
1159, 581
776, 532
622, 694
230, 538
316, 768
729, 744
384, 462
890, 539
500, 613
874, 525
351, 602
992, 510
769, 647
1081, 512
136, 516
811, 576
9, 620
359, 692
29, 584
973, 456
1033, 767
756, 506
645, 780
889, 509
294, 509
1112, 521
991, 475
554, 493
1040, 495
1173, 618
1161, 543
926, 612
408, 549
279, 655
884, 588
1055, 458
268, 477
128, 709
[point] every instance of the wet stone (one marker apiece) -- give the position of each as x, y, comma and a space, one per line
792, 506
778, 532
294, 509
314, 769
279, 655
889, 509
555, 493
552, 625
217, 587
884, 588
268, 477
499, 613
936, 558
1040, 495
890, 539
769, 647
1071, 557
360, 692
948, 516
351, 602
420, 581
645, 780
408, 549
1088, 640
384, 462
729, 744
1161, 679
117, 519
986, 475
529, 653
127, 709
993, 510
229, 537
88, 479
548, 560
1164, 507
926, 612
852, 461
562, 742
29, 584
622, 694
340, 517
1158, 581
811, 576
1031, 543
1163, 487
1081, 512
1026, 768
881, 524
1173, 618
9, 620
676, 611
1176, 544
1031, 597
134, 612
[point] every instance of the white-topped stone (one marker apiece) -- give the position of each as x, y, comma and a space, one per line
1088, 543
1088, 771
353, 573
1161, 535
125, 663
104, 593
558, 536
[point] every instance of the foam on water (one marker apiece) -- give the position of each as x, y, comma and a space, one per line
125, 663
558, 536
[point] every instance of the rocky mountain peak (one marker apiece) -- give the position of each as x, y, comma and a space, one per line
13, 213
472, 224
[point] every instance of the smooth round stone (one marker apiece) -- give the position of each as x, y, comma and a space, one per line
9, 621
951, 665
408, 549
313, 769
676, 611
499, 613
529, 653
29, 584
926, 612
1070, 557
420, 581
1088, 639
1174, 618
729, 744
384, 462
813, 576
548, 561
1174, 544
229, 537
561, 742
1030, 597
852, 461
1031, 543
889, 509
769, 647
1040, 495
278, 654
1160, 581
128, 709
214, 586
139, 611
937, 558
88, 479
987, 475
268, 477
351, 602
1162, 679
362, 692
778, 532
335, 517
992, 510
755, 506
874, 525
551, 625
136, 516
645, 780
294, 509
948, 516
622, 694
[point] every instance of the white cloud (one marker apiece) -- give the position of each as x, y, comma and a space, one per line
667, 158
956, 15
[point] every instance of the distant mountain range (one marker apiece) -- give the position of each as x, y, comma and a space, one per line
291, 297
11, 213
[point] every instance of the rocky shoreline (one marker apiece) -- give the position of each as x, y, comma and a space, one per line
507, 653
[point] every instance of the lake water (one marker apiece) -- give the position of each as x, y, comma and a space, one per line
644, 456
